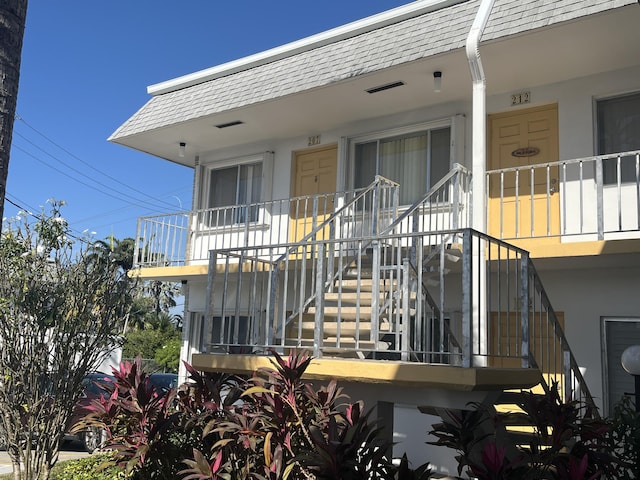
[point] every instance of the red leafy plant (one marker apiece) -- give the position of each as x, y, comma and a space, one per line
566, 443
151, 431
284, 428
272, 426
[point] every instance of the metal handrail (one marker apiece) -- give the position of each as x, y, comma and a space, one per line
612, 207
457, 170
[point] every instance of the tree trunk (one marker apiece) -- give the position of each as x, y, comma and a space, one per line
13, 14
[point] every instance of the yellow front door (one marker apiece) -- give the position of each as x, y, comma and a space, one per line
506, 349
524, 204
314, 179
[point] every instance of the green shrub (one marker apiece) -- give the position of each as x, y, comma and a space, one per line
624, 439
93, 467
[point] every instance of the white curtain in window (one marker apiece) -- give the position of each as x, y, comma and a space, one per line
404, 160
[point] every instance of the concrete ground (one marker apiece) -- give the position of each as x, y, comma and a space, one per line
69, 451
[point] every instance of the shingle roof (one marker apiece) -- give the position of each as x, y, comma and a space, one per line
408, 40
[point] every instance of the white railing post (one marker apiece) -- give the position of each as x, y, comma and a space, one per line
208, 308
600, 198
467, 300
406, 312
318, 329
375, 290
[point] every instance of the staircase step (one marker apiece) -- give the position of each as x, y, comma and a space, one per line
347, 348
350, 298
365, 284
347, 329
344, 312
353, 313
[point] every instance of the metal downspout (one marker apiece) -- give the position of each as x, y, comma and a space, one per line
477, 317
479, 116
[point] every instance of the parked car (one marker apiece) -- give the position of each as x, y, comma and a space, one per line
92, 437
163, 382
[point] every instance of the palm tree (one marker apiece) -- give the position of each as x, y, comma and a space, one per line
13, 14
113, 250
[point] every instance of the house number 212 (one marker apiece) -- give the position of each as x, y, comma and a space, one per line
520, 98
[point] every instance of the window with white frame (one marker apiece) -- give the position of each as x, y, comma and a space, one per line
618, 130
618, 335
416, 158
233, 193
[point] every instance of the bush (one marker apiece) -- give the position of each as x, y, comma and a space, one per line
624, 439
168, 356
271, 426
564, 444
94, 467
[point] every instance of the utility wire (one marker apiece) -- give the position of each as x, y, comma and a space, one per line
108, 193
137, 202
128, 207
31, 214
21, 119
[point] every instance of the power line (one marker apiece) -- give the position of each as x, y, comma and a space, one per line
108, 212
140, 203
107, 193
18, 117
31, 214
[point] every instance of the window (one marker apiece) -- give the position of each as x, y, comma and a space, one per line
618, 125
415, 160
236, 187
619, 333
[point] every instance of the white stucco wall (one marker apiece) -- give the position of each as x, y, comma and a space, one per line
584, 295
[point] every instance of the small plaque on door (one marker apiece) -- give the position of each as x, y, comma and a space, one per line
525, 152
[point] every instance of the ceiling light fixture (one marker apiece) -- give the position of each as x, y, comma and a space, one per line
437, 81
181, 149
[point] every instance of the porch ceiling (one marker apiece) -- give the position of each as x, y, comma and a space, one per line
383, 372
590, 45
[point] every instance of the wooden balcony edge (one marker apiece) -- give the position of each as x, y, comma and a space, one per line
382, 372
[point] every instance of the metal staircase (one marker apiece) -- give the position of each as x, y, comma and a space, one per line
371, 282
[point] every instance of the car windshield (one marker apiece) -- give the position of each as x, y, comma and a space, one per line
163, 381
91, 384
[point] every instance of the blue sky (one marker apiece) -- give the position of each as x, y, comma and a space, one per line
85, 69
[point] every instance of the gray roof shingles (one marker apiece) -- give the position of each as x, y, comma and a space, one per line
419, 37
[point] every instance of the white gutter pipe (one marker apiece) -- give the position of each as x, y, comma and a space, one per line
478, 318
479, 117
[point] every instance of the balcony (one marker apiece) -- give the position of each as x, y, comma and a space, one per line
356, 277
586, 200
567, 202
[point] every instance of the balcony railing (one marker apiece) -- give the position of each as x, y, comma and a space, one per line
185, 238
460, 298
592, 198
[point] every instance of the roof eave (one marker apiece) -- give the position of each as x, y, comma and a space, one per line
349, 30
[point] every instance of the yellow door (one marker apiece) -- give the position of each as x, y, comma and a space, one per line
529, 206
505, 341
505, 344
314, 177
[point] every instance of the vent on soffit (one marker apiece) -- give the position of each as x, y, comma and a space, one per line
382, 88
229, 124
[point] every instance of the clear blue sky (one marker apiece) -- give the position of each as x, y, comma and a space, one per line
85, 69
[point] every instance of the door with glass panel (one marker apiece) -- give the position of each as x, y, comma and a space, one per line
415, 160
